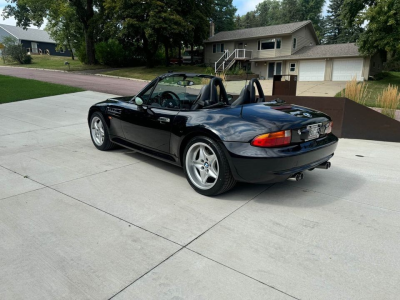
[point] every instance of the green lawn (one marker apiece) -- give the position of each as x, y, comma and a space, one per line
55, 63
16, 89
150, 73
376, 87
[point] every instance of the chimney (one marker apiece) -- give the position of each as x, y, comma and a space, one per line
212, 27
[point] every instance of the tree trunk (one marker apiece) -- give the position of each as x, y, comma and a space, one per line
89, 47
166, 54
179, 54
89, 33
191, 54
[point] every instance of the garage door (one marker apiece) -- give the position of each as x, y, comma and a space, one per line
312, 70
346, 69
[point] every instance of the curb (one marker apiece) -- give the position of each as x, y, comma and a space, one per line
77, 72
111, 76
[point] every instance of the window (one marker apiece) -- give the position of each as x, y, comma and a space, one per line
218, 48
294, 43
292, 67
278, 43
266, 44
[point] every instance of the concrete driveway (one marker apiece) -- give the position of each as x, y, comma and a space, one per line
78, 223
126, 87
304, 88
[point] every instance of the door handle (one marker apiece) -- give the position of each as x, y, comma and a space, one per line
163, 120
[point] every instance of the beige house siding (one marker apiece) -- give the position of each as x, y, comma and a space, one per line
210, 58
287, 69
365, 71
303, 39
328, 69
286, 46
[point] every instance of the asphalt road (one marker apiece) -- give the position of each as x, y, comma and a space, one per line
123, 87
78, 223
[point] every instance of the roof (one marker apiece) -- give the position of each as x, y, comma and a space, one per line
30, 34
320, 51
257, 32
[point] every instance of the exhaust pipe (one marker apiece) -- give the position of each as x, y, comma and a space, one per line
325, 165
297, 177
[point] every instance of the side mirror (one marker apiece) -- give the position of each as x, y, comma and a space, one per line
138, 101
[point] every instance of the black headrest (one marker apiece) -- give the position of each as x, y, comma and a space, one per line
208, 94
203, 96
243, 98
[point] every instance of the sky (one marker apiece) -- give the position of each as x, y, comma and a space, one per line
243, 7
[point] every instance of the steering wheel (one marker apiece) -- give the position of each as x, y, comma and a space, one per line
170, 102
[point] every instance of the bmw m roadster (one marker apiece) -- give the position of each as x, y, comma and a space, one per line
189, 120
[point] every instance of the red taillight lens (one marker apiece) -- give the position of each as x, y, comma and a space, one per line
328, 129
273, 139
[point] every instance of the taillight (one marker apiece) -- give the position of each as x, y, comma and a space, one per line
273, 139
328, 128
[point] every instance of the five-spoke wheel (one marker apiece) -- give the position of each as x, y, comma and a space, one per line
99, 132
202, 165
97, 129
206, 167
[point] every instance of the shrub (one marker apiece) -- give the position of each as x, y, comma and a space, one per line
110, 53
356, 91
81, 53
13, 51
381, 75
389, 100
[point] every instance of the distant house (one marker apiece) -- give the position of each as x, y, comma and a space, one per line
35, 41
288, 49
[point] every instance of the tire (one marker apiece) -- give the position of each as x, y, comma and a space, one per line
206, 167
99, 132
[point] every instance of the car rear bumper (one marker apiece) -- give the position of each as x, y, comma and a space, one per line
269, 165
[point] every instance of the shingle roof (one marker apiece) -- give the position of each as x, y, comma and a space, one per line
257, 32
320, 51
35, 35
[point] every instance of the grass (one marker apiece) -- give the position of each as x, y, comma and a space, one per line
149, 73
389, 100
55, 63
15, 89
375, 88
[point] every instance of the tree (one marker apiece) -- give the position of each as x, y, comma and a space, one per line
269, 12
149, 23
312, 10
290, 10
382, 29
223, 15
27, 12
335, 29
63, 27
13, 51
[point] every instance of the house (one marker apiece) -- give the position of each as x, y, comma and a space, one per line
288, 49
35, 41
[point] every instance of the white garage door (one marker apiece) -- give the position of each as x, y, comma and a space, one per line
312, 70
346, 69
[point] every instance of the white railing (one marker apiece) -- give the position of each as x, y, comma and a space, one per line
223, 58
229, 59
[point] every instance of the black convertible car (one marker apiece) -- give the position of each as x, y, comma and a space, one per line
189, 120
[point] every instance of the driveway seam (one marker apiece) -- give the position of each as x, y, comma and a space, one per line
228, 215
144, 274
244, 274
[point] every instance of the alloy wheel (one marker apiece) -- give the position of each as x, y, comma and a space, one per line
202, 166
97, 129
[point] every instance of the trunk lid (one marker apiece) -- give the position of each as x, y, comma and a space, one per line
283, 116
